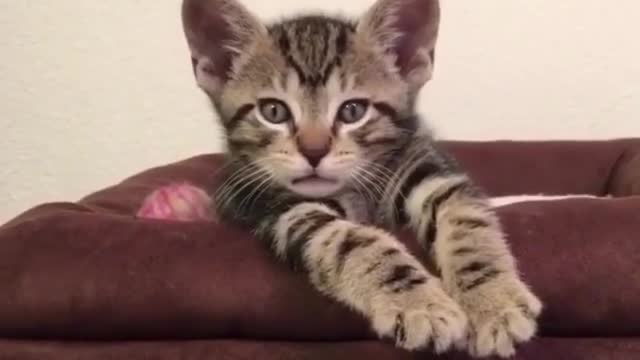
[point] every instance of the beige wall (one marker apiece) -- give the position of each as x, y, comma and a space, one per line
92, 91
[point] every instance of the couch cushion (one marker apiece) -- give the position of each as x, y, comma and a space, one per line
93, 271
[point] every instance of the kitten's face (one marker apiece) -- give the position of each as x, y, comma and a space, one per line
315, 103
313, 106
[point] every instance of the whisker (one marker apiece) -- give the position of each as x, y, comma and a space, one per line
362, 188
392, 179
378, 188
243, 170
232, 195
231, 190
255, 193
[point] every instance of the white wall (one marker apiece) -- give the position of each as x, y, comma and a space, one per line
92, 91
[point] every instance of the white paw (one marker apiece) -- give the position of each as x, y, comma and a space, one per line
501, 313
416, 318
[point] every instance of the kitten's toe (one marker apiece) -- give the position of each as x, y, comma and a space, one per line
180, 202
503, 315
416, 318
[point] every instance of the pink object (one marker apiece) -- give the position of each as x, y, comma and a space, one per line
178, 202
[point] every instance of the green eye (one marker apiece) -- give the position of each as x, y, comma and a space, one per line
353, 111
274, 111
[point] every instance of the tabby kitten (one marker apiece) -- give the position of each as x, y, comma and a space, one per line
326, 150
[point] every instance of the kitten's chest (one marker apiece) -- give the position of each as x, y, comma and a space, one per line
357, 208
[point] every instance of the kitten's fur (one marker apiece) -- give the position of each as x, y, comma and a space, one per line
381, 171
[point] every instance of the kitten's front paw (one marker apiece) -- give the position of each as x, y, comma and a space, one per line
416, 318
502, 313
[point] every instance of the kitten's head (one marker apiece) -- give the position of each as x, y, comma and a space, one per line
315, 102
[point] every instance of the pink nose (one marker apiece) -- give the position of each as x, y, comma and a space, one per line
314, 144
314, 155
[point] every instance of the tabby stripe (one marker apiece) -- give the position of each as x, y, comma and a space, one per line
418, 174
349, 244
242, 143
372, 267
384, 141
471, 222
409, 285
318, 221
385, 109
327, 242
474, 266
341, 42
327, 72
320, 270
301, 75
264, 140
387, 253
485, 270
335, 205
482, 279
432, 231
390, 252
399, 273
432, 227
295, 248
463, 251
440, 199
298, 223
239, 115
325, 43
406, 123
418, 281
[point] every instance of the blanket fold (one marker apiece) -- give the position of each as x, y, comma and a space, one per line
74, 273
92, 271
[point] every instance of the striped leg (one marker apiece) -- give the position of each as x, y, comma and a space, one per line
370, 271
452, 218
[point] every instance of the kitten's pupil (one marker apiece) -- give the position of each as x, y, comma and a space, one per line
274, 111
353, 110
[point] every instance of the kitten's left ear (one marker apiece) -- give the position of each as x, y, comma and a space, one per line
408, 30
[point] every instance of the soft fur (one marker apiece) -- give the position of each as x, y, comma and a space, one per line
319, 186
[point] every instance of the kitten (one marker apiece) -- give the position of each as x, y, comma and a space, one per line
326, 150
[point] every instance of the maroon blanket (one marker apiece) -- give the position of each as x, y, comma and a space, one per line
92, 271
547, 349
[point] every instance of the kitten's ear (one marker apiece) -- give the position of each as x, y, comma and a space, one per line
217, 31
408, 30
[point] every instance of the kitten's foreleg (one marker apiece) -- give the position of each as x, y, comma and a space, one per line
370, 271
453, 219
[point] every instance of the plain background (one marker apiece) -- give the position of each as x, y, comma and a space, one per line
94, 91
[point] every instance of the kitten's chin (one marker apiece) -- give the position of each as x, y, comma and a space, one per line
315, 187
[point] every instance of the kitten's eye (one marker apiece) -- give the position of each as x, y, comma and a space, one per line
274, 111
353, 111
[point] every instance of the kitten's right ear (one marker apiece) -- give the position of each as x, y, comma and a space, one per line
217, 31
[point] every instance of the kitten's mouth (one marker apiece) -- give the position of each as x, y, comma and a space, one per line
315, 186
313, 178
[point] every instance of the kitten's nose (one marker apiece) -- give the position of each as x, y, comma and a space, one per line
314, 145
314, 155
